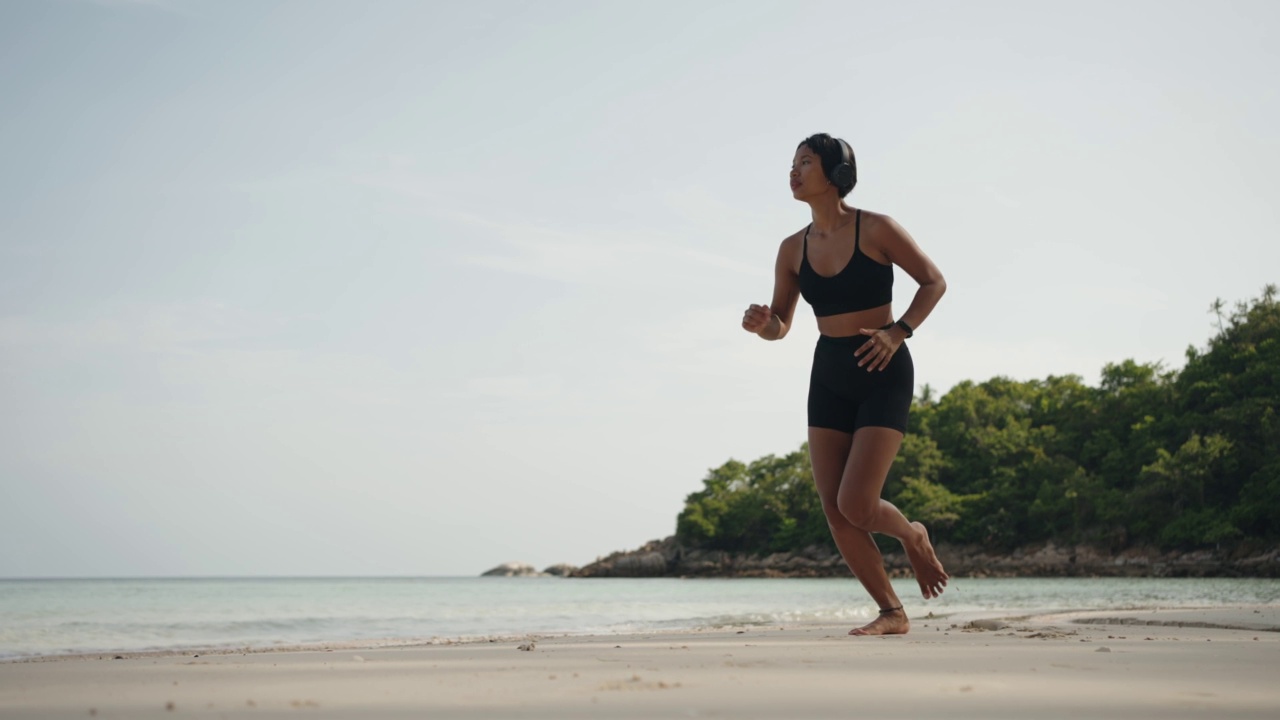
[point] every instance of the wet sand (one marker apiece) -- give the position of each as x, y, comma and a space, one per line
1213, 663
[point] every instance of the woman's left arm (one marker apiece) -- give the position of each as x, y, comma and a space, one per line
898, 248
903, 251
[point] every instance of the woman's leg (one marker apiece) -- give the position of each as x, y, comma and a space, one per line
829, 453
871, 454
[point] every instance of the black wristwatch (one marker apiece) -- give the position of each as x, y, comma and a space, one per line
905, 327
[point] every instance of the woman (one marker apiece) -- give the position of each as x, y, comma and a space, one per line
862, 381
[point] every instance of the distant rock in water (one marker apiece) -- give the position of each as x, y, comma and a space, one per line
512, 570
561, 570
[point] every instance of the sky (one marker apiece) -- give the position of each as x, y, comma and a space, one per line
419, 288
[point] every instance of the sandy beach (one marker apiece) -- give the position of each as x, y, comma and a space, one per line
1212, 663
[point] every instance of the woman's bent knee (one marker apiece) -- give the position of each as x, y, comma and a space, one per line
832, 511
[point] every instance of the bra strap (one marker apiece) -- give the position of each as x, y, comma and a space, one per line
857, 229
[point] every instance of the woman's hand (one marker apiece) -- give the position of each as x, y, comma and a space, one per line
756, 318
878, 351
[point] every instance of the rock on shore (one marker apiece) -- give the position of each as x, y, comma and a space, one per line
668, 558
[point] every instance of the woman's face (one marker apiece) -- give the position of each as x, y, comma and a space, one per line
807, 177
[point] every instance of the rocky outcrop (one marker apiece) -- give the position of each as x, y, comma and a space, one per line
668, 558
512, 570
561, 570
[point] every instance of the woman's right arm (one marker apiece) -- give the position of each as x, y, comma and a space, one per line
772, 321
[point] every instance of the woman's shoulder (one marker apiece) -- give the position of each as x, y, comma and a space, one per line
793, 241
791, 249
872, 219
878, 224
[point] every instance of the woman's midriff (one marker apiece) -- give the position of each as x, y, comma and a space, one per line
852, 323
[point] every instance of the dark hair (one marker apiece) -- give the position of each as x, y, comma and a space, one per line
831, 152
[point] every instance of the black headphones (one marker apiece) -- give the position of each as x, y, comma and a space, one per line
846, 173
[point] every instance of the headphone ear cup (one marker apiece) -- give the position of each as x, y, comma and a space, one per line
845, 175
842, 175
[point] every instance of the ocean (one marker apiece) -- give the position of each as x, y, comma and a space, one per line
61, 617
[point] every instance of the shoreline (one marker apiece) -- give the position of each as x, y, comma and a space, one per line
1222, 617
536, 608
1057, 665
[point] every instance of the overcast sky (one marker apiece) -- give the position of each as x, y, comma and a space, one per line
384, 288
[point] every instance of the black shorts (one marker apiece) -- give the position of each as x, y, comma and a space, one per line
845, 397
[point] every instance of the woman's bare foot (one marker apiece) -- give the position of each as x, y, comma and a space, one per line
891, 622
929, 573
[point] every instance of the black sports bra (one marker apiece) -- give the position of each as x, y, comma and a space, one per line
861, 285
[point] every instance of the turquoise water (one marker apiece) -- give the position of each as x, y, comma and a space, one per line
53, 617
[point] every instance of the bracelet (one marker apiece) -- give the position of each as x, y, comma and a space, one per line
907, 328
